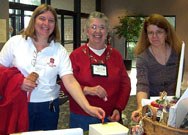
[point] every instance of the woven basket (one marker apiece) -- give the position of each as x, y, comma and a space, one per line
155, 128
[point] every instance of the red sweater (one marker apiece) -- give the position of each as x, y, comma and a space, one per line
13, 104
117, 84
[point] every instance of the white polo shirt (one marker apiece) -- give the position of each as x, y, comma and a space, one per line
48, 63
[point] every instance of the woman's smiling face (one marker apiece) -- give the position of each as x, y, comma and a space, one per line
97, 32
44, 24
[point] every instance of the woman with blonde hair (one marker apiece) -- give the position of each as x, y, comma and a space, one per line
37, 50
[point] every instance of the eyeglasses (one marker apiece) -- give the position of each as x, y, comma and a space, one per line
34, 60
157, 33
95, 27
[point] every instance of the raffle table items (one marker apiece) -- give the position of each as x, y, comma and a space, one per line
165, 115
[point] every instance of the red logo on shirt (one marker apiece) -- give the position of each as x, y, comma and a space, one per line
51, 63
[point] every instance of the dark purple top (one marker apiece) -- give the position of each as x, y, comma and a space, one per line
152, 77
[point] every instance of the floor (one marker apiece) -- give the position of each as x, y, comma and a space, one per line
131, 106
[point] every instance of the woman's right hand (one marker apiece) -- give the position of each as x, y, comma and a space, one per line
96, 112
136, 115
28, 85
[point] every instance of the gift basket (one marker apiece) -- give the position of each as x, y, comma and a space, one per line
155, 128
155, 117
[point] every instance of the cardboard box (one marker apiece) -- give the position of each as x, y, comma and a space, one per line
110, 128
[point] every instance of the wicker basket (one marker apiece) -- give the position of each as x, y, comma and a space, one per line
155, 128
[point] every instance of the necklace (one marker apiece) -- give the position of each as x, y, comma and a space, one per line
158, 57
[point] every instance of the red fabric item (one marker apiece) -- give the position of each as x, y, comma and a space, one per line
13, 105
117, 84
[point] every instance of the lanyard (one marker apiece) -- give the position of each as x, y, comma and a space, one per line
98, 67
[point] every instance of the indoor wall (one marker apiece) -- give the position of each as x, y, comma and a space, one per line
116, 8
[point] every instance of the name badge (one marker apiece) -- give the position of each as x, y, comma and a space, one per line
99, 70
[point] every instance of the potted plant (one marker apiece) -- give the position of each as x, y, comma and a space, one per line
129, 27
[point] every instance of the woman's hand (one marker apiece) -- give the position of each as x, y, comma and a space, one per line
28, 85
96, 90
72, 85
136, 115
96, 112
115, 116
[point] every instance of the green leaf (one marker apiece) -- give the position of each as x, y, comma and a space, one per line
129, 27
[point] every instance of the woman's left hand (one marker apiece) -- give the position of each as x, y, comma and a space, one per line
28, 85
115, 116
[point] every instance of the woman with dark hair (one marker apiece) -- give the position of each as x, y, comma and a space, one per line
157, 60
37, 50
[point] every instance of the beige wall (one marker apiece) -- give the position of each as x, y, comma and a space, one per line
115, 8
